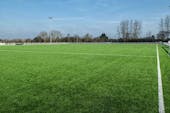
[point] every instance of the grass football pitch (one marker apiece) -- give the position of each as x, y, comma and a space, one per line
82, 78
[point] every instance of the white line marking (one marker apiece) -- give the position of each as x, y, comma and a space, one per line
68, 53
160, 90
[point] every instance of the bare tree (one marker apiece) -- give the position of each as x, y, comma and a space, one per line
87, 37
164, 32
129, 29
118, 32
55, 35
124, 27
43, 35
137, 29
162, 24
167, 26
149, 34
76, 38
167, 23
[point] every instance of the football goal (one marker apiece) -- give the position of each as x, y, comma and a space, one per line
166, 47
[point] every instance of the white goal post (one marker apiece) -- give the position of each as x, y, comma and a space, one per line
166, 47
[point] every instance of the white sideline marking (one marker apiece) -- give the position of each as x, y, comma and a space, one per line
67, 53
160, 90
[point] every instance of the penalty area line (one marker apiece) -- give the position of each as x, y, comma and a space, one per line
160, 90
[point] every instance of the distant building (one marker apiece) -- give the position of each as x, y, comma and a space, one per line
169, 42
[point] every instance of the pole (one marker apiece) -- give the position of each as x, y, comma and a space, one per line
51, 19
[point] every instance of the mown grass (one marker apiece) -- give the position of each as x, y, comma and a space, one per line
51, 79
165, 68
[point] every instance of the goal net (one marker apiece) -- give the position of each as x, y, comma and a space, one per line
166, 47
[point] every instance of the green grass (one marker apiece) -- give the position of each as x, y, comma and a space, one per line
165, 68
78, 78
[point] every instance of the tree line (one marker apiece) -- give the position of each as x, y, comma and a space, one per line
127, 31
56, 36
164, 32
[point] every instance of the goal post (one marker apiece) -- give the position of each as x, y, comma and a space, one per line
166, 47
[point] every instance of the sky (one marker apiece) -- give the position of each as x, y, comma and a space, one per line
26, 18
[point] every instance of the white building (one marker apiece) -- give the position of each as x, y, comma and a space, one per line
169, 42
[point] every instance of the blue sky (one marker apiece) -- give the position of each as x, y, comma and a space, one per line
26, 18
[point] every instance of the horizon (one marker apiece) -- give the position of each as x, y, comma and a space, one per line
25, 19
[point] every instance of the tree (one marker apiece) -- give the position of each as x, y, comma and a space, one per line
68, 37
124, 25
167, 26
87, 38
103, 37
161, 35
118, 32
167, 23
44, 36
162, 24
28, 40
149, 34
164, 32
129, 29
77, 38
55, 35
136, 29
38, 39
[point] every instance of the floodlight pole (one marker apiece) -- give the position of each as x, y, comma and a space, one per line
51, 19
